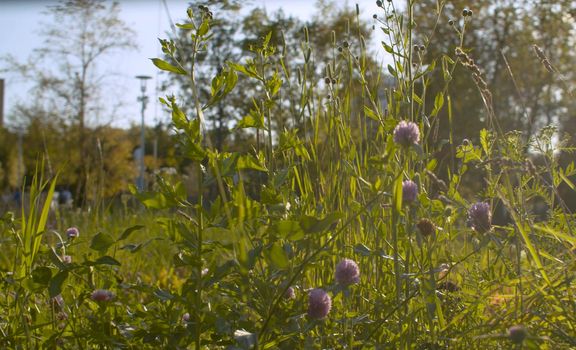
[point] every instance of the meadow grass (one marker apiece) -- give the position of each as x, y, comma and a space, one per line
260, 262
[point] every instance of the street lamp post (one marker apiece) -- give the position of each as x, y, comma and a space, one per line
144, 100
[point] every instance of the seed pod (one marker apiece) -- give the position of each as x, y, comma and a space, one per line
426, 227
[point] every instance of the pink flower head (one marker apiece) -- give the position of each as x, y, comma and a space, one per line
406, 134
347, 272
72, 232
409, 191
101, 295
185, 317
480, 217
67, 259
319, 304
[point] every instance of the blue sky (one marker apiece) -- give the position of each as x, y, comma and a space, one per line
20, 22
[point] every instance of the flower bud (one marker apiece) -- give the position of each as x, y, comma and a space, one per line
72, 233
409, 191
290, 293
517, 334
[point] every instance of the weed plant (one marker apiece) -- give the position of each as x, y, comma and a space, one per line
337, 232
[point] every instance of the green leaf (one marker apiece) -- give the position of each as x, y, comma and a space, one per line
371, 114
277, 256
566, 180
250, 121
56, 282
289, 229
484, 140
194, 151
163, 65
392, 71
362, 250
220, 234
438, 103
186, 26
133, 248
163, 295
101, 242
41, 275
127, 232
248, 161
240, 68
311, 224
179, 118
387, 47
398, 194
153, 200
103, 260
204, 28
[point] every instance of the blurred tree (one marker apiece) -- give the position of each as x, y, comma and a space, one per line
225, 29
235, 38
499, 36
68, 78
8, 159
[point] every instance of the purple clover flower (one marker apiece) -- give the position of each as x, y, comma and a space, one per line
406, 133
517, 334
409, 191
480, 217
347, 272
58, 301
319, 304
101, 295
290, 293
72, 232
